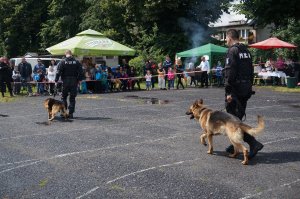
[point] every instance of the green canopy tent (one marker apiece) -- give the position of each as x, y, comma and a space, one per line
208, 49
91, 43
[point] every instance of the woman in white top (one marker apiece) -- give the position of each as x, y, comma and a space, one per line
51, 76
204, 66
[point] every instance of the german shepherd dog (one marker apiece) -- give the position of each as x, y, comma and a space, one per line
54, 106
218, 122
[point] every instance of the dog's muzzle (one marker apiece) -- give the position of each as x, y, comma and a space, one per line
190, 113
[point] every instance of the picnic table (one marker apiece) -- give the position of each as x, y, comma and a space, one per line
267, 74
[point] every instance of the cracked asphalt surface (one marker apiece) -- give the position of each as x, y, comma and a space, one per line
142, 145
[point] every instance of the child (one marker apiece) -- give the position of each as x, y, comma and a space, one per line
219, 74
161, 77
171, 78
148, 78
17, 82
51, 78
41, 81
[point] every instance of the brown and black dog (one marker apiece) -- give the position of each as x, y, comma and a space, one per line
54, 106
218, 122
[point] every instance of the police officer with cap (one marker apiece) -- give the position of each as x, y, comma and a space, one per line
70, 71
239, 74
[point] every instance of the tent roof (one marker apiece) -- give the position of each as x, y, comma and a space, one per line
90, 32
272, 42
91, 43
202, 50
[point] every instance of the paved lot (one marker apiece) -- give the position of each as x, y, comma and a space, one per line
126, 145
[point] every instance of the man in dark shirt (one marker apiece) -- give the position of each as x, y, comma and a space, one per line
26, 71
70, 71
239, 74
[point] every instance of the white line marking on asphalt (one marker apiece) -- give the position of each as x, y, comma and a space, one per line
44, 134
87, 128
280, 140
151, 168
137, 172
20, 162
112, 147
269, 190
87, 193
21, 166
87, 151
130, 174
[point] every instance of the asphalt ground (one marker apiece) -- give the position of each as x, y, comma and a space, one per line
142, 145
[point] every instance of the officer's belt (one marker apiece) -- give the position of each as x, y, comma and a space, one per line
243, 81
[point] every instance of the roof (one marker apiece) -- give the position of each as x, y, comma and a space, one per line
203, 50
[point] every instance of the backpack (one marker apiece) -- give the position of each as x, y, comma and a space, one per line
98, 76
36, 77
83, 87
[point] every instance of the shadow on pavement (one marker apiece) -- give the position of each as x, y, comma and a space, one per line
276, 157
266, 158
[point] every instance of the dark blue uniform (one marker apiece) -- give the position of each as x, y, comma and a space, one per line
70, 71
239, 74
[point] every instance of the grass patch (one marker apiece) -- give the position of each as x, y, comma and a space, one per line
280, 89
117, 187
7, 98
43, 183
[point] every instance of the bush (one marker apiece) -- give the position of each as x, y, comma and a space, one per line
138, 63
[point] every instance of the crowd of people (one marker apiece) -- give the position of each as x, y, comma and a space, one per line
99, 78
184, 74
290, 67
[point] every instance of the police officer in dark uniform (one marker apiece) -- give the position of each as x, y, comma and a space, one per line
5, 76
70, 71
239, 74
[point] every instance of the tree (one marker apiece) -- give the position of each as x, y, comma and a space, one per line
276, 12
289, 33
152, 27
64, 17
283, 14
20, 23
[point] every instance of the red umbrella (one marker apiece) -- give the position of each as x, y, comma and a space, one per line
272, 42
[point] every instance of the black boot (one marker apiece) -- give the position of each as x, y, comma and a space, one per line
255, 146
230, 149
2, 94
71, 116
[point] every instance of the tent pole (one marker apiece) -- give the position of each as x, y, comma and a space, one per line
210, 69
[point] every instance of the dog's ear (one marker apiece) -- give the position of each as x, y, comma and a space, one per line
200, 101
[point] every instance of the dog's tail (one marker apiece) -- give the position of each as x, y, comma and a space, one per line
257, 130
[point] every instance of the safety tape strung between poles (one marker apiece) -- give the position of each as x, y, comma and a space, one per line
121, 78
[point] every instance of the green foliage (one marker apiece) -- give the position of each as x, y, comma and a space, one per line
259, 55
138, 63
284, 14
64, 18
150, 27
2, 48
266, 12
289, 33
20, 23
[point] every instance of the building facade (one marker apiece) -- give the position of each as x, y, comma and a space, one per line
249, 32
